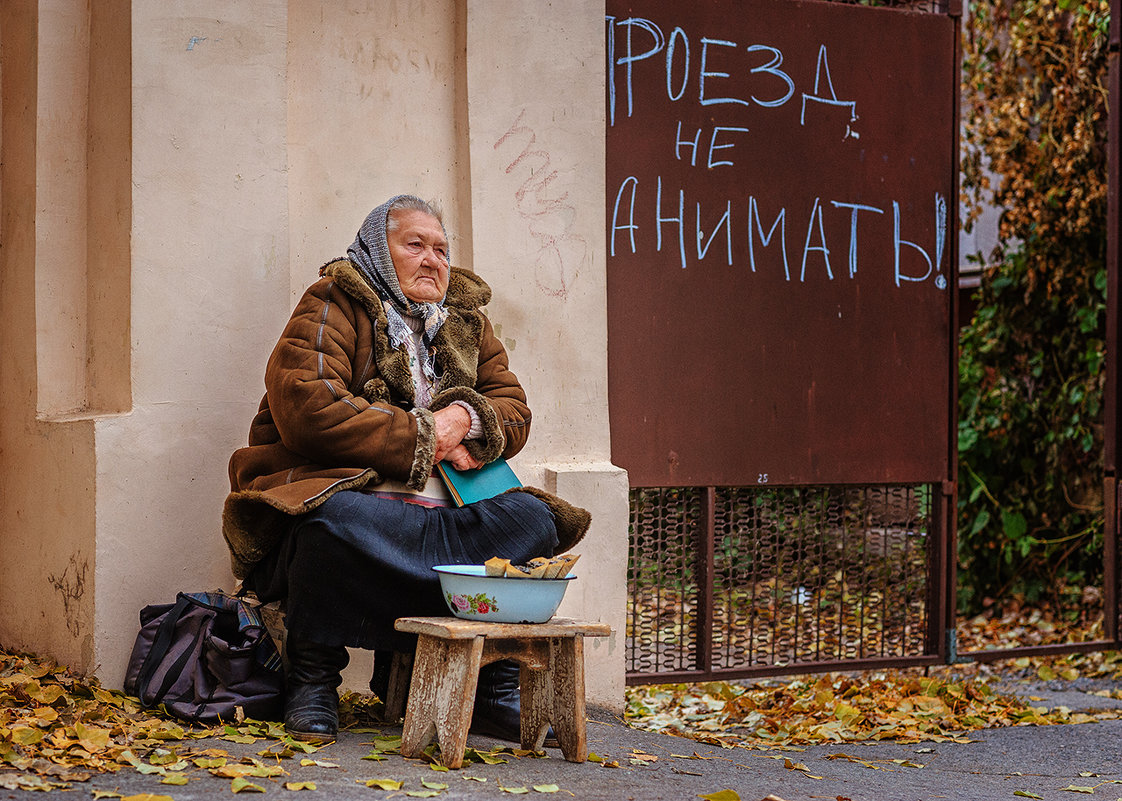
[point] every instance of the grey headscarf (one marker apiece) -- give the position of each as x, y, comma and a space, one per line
370, 254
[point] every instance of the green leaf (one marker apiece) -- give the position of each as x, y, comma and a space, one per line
546, 788
1014, 524
434, 785
244, 785
1026, 794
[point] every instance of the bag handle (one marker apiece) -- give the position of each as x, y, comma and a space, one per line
160, 647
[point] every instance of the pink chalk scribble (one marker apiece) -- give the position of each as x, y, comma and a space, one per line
549, 217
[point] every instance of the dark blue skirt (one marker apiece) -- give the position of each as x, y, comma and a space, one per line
348, 569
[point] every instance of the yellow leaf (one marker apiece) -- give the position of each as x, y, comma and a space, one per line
514, 790
243, 739
175, 778
546, 788
147, 797
434, 785
48, 695
162, 756
299, 785
1027, 794
1072, 788
722, 795
381, 784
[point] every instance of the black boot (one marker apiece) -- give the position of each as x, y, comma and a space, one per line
311, 705
498, 702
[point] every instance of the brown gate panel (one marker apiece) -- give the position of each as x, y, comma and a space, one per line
780, 221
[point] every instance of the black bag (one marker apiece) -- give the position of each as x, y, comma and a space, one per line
205, 655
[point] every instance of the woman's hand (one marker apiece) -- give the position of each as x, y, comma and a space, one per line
462, 460
452, 424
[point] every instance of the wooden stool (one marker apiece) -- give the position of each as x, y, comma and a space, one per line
450, 652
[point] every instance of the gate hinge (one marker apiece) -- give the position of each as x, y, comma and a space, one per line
952, 649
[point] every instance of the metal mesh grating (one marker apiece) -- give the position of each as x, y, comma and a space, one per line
799, 575
666, 533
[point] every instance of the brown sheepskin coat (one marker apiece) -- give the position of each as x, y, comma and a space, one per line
338, 409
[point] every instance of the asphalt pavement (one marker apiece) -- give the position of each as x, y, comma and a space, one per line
1053, 763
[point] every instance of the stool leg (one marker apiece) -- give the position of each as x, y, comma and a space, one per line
537, 695
400, 668
441, 696
567, 659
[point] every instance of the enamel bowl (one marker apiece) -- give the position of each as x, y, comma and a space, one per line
473, 595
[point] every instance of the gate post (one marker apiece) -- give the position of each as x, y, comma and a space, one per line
1111, 494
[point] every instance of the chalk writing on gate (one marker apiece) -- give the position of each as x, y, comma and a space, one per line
804, 238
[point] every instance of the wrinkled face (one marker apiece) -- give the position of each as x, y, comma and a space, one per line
420, 255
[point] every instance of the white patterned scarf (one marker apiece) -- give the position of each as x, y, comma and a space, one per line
370, 254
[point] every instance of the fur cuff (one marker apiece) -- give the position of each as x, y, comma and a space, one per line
425, 452
572, 522
490, 446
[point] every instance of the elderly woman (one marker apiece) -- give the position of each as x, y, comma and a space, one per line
386, 367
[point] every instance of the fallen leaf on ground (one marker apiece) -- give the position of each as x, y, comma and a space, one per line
244, 785
722, 795
381, 784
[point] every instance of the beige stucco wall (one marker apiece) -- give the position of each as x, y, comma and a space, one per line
259, 137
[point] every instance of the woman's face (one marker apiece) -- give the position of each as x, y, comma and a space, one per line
420, 255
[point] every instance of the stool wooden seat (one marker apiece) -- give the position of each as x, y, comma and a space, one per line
450, 652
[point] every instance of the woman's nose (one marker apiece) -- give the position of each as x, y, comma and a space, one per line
430, 258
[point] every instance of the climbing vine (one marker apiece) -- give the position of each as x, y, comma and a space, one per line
1032, 356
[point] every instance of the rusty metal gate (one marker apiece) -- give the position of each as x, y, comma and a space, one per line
782, 197
733, 581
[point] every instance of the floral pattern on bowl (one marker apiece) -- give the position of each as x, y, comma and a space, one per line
480, 603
